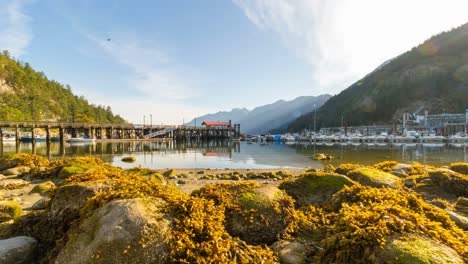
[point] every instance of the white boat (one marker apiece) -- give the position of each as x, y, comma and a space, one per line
81, 140
458, 138
356, 137
431, 138
288, 137
8, 138
382, 137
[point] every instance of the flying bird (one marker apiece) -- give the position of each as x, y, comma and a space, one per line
108, 39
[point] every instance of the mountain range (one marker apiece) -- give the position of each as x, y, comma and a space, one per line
432, 76
273, 118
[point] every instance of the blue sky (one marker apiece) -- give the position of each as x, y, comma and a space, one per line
179, 59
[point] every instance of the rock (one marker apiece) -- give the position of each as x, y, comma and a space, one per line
462, 205
123, 231
11, 184
290, 252
41, 204
181, 182
322, 156
417, 249
7, 164
44, 188
129, 159
265, 214
18, 250
200, 172
375, 178
9, 210
460, 167
315, 187
2, 177
410, 183
169, 173
460, 220
69, 199
16, 170
451, 181
402, 170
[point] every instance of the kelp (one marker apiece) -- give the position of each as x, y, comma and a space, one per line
362, 219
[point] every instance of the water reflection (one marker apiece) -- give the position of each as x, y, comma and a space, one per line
228, 154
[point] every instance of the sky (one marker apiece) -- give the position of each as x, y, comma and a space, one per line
178, 59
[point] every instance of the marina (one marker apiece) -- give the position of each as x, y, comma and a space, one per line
220, 154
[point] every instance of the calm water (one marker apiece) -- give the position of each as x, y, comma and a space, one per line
225, 154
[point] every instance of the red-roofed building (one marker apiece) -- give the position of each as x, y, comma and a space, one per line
216, 124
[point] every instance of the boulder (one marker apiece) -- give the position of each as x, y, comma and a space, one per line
123, 231
375, 178
16, 170
8, 163
460, 220
402, 169
264, 214
17, 250
9, 210
11, 184
44, 188
462, 205
69, 199
170, 172
460, 167
410, 182
315, 187
450, 180
290, 252
41, 204
417, 249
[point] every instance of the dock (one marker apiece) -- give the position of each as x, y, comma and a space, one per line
119, 131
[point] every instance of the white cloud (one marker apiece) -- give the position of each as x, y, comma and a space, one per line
343, 40
15, 31
151, 71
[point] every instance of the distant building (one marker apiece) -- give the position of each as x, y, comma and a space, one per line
444, 123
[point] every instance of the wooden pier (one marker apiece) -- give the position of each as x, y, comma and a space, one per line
118, 131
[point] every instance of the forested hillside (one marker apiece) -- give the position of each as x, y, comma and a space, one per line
433, 75
28, 95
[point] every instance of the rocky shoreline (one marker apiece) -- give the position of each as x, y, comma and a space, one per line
82, 210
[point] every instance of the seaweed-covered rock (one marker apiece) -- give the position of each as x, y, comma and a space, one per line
462, 205
256, 214
123, 231
460, 220
70, 198
8, 163
451, 181
345, 168
83, 165
322, 156
362, 219
290, 252
315, 187
18, 250
11, 184
16, 170
402, 169
375, 178
171, 172
9, 210
418, 249
130, 159
44, 188
41, 203
460, 167
29, 160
